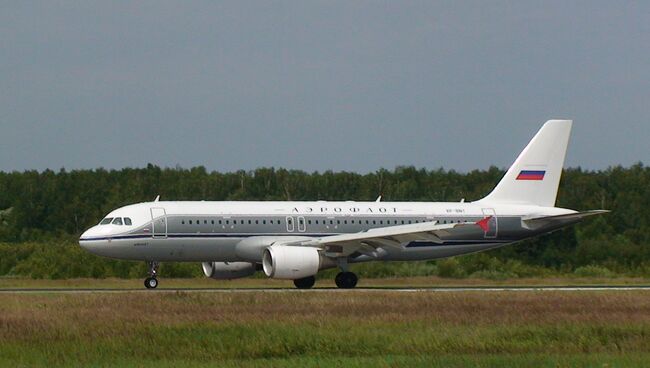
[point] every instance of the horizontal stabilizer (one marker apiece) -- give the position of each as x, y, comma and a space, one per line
537, 222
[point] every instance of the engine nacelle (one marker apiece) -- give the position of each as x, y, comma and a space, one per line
286, 262
228, 270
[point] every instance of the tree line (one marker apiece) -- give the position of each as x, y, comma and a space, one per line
55, 207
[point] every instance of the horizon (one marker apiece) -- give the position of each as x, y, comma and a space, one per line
249, 171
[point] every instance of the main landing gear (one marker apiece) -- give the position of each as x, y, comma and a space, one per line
305, 282
346, 280
151, 282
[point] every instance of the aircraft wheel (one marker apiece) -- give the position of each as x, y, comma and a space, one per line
346, 280
305, 282
150, 283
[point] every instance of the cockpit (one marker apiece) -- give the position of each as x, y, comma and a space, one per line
115, 234
116, 221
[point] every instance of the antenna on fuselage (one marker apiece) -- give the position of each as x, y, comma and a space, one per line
157, 198
378, 199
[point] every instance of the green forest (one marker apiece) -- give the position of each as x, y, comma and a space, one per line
43, 213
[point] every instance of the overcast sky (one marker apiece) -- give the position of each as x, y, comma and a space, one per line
351, 85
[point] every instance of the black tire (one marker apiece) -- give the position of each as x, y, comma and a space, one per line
151, 283
346, 280
305, 282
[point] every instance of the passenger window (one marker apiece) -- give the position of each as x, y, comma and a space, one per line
127, 221
205, 222
182, 222
106, 221
257, 222
117, 221
212, 221
263, 222
279, 222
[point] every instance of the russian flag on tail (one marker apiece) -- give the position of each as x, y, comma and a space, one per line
531, 175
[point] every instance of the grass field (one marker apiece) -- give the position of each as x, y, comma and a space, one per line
350, 328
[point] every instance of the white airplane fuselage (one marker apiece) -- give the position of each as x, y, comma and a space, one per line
295, 240
211, 231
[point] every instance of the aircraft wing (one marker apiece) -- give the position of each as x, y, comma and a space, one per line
367, 242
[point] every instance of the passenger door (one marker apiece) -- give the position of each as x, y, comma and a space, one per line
159, 221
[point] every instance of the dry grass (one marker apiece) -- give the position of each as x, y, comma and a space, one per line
19, 312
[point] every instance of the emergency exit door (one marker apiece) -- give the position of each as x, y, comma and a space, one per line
492, 224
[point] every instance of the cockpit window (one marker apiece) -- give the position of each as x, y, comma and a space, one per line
106, 221
117, 221
127, 221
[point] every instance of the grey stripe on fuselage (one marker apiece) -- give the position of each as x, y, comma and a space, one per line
508, 229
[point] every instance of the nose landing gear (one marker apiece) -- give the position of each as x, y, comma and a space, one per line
151, 282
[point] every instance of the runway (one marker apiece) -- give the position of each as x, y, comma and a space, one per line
487, 289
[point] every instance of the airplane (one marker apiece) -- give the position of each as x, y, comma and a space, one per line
295, 240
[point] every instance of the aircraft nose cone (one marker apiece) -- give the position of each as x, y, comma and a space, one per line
84, 239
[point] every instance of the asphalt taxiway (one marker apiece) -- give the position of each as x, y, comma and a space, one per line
488, 289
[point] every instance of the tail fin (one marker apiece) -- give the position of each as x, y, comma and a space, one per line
534, 177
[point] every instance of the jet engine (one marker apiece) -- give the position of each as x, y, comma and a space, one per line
228, 270
287, 262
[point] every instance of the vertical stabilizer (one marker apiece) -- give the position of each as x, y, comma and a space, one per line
534, 177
